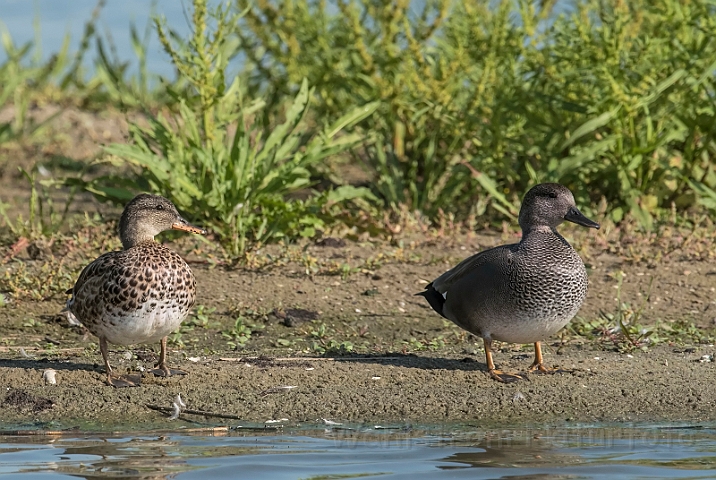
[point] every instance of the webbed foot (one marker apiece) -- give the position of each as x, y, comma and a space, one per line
540, 368
503, 377
164, 371
123, 381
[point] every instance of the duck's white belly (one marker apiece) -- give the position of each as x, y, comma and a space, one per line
143, 325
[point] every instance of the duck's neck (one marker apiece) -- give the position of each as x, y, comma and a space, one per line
541, 235
538, 229
132, 235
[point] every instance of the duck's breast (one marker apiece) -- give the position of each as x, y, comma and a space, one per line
135, 296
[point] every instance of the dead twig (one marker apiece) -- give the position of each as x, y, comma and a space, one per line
79, 433
281, 389
171, 410
293, 359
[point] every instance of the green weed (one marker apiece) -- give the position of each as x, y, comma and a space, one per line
44, 218
220, 159
454, 109
480, 100
414, 344
200, 318
331, 347
625, 331
24, 281
284, 343
240, 334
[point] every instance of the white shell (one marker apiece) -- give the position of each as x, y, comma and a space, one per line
49, 376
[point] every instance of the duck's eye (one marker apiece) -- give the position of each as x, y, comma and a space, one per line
160, 207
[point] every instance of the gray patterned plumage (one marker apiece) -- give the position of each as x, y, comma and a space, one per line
142, 293
519, 293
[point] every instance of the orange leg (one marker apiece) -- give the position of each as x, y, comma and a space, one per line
498, 375
538, 364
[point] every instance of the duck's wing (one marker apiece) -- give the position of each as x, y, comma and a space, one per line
497, 255
94, 272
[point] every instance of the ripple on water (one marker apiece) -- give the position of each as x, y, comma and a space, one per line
351, 451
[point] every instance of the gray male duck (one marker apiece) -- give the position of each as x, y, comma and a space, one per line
523, 292
139, 294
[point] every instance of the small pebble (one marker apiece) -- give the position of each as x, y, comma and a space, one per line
518, 397
49, 376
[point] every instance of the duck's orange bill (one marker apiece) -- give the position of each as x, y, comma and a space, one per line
188, 228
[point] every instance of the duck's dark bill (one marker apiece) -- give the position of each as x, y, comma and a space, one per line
575, 216
188, 228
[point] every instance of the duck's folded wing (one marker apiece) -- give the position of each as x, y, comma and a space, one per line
94, 271
498, 254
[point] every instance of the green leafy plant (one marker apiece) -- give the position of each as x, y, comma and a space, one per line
220, 159
240, 334
360, 53
44, 219
200, 318
480, 100
332, 347
635, 96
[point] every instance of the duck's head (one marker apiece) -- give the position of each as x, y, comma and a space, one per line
146, 216
548, 205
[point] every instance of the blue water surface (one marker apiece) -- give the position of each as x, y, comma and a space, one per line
58, 18
402, 452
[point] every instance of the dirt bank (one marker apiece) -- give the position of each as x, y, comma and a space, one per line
361, 347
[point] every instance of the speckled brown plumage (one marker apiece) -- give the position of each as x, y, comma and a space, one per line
524, 292
134, 296
142, 293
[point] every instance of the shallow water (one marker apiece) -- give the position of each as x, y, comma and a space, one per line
352, 451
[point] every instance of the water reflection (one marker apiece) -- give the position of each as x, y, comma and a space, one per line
427, 452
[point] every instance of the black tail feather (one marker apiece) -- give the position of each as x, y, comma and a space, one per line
434, 298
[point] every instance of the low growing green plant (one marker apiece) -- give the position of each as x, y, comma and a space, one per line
221, 159
240, 333
44, 218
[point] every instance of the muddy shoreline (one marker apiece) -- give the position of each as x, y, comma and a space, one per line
666, 384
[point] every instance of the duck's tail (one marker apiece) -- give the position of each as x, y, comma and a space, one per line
434, 298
